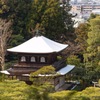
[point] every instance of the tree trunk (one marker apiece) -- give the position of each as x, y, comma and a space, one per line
5, 33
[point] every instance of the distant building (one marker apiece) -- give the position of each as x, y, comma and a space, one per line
96, 11
84, 9
78, 21
84, 1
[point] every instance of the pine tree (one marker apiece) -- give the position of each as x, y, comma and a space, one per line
51, 18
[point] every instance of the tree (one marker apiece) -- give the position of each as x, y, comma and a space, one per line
5, 33
79, 70
93, 16
81, 36
92, 55
17, 11
73, 60
49, 17
40, 80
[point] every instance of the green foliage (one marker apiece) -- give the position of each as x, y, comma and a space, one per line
40, 92
90, 93
16, 40
3, 9
81, 36
17, 90
73, 60
50, 18
92, 16
92, 54
18, 12
78, 73
44, 70
63, 95
13, 90
47, 16
2, 77
94, 37
44, 77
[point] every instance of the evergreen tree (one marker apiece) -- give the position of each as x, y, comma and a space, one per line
16, 11
51, 18
92, 57
81, 36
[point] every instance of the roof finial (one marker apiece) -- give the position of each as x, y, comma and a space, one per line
37, 33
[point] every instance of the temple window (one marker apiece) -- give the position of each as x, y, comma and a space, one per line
23, 59
33, 59
42, 59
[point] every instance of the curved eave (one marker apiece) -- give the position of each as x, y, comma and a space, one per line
66, 69
38, 44
15, 51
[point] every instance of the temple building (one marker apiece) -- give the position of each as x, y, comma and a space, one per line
35, 53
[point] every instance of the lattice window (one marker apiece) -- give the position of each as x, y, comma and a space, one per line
23, 59
33, 59
42, 59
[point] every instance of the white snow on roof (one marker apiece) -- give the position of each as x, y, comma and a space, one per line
5, 72
66, 69
38, 44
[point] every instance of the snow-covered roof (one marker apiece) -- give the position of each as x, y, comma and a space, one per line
38, 44
66, 69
